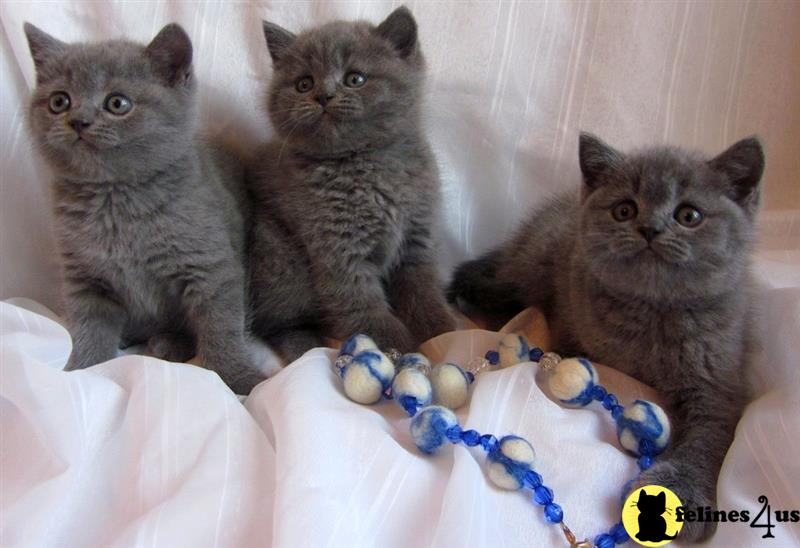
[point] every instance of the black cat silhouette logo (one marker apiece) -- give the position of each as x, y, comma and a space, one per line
649, 515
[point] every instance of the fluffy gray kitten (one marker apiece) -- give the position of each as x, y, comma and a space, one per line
647, 271
346, 195
150, 220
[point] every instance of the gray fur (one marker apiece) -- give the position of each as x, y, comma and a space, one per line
346, 195
150, 219
676, 314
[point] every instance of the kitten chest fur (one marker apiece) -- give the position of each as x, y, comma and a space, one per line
363, 204
652, 340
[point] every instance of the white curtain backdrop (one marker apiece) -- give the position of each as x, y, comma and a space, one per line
511, 85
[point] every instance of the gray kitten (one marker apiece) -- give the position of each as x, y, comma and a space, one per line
648, 271
346, 195
149, 219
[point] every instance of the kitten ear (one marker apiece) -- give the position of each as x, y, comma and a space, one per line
743, 165
43, 47
598, 160
170, 53
278, 40
400, 29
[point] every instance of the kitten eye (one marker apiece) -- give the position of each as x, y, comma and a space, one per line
59, 102
118, 104
688, 216
355, 80
624, 211
304, 84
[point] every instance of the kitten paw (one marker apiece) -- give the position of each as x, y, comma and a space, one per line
692, 491
387, 332
171, 347
428, 322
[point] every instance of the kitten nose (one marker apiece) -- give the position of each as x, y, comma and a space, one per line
79, 124
649, 232
323, 99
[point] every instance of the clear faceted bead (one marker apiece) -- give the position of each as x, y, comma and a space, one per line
549, 360
477, 365
340, 363
394, 355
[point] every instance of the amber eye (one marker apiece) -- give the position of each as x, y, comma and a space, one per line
688, 216
304, 84
118, 104
355, 80
59, 102
624, 211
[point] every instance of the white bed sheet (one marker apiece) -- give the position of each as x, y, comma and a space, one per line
140, 452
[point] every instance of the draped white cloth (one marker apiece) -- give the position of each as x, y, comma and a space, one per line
142, 452
147, 453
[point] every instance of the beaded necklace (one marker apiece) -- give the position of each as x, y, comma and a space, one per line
370, 375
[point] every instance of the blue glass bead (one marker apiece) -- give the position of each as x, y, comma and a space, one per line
604, 541
553, 513
599, 393
454, 434
610, 401
488, 442
493, 356
535, 354
532, 479
645, 462
619, 534
471, 437
616, 411
543, 495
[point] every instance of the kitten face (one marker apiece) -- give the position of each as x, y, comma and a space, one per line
665, 223
113, 109
344, 87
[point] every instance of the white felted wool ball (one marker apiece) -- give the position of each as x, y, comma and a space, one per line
450, 385
572, 380
367, 376
411, 389
429, 427
509, 462
415, 359
513, 349
357, 344
643, 420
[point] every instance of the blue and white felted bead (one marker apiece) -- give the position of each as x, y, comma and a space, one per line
357, 344
429, 427
450, 385
412, 389
509, 461
416, 360
368, 376
643, 428
572, 381
513, 349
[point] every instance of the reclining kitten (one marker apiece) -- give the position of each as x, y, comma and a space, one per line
150, 220
346, 195
647, 271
